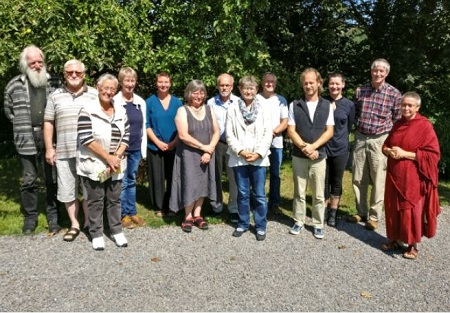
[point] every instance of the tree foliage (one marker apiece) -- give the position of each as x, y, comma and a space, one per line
201, 39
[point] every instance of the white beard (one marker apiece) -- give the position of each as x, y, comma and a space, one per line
37, 79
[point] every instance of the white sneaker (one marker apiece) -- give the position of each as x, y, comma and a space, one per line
120, 240
98, 243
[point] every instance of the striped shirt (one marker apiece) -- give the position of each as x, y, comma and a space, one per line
62, 109
17, 109
377, 110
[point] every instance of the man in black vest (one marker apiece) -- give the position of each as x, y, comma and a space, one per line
310, 126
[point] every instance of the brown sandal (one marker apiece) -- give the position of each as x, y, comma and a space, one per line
71, 234
411, 253
391, 246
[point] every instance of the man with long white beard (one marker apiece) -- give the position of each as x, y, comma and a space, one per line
25, 100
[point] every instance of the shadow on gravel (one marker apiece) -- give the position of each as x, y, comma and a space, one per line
357, 231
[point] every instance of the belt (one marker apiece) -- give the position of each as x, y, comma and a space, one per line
372, 135
37, 128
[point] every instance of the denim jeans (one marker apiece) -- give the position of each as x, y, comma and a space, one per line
276, 158
128, 195
250, 181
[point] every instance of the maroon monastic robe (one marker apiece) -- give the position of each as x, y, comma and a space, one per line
411, 198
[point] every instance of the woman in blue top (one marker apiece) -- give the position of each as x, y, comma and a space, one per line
162, 140
337, 147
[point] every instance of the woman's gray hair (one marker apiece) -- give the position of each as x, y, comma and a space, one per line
248, 80
107, 76
413, 95
23, 64
193, 86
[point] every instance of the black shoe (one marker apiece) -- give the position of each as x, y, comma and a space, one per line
53, 227
331, 220
85, 231
238, 232
215, 214
234, 218
29, 227
260, 235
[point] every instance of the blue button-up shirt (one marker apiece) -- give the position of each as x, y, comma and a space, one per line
220, 109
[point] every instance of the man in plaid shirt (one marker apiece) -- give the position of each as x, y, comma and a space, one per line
377, 108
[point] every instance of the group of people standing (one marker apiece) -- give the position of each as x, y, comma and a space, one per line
98, 136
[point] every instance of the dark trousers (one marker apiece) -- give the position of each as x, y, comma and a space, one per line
103, 196
335, 172
159, 170
29, 189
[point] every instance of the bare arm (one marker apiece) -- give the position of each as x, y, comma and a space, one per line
183, 133
281, 127
50, 153
326, 135
295, 137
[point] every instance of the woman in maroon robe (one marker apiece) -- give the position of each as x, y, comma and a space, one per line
411, 198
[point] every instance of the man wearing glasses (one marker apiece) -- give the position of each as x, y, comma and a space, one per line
25, 98
61, 117
220, 104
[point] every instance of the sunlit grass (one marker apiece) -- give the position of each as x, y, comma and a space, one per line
11, 219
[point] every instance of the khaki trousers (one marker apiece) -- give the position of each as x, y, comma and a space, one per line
369, 167
309, 171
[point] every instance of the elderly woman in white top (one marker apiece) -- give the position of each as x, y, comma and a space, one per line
103, 134
249, 136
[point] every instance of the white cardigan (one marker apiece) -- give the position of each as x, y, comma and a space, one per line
236, 132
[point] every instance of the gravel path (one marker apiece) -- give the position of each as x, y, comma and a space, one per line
167, 270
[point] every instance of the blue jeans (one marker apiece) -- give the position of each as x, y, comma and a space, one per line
276, 158
128, 195
250, 181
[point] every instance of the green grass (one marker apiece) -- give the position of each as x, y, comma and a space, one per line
11, 218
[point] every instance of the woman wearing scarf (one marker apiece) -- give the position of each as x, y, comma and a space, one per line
411, 197
249, 136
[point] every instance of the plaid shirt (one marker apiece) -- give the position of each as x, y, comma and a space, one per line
377, 110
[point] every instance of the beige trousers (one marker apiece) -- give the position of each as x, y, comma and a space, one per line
369, 167
309, 171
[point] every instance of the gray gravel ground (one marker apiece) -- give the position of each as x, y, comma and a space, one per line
167, 270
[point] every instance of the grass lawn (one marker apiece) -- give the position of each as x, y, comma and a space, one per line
11, 218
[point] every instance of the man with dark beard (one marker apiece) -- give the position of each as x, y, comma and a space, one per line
25, 100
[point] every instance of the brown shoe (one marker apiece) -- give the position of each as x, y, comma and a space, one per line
127, 222
136, 219
371, 225
356, 218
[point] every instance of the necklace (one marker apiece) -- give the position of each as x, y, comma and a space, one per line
196, 110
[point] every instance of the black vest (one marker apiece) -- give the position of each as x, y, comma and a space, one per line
309, 130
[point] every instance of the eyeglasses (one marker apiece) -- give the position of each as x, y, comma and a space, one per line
70, 73
112, 89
